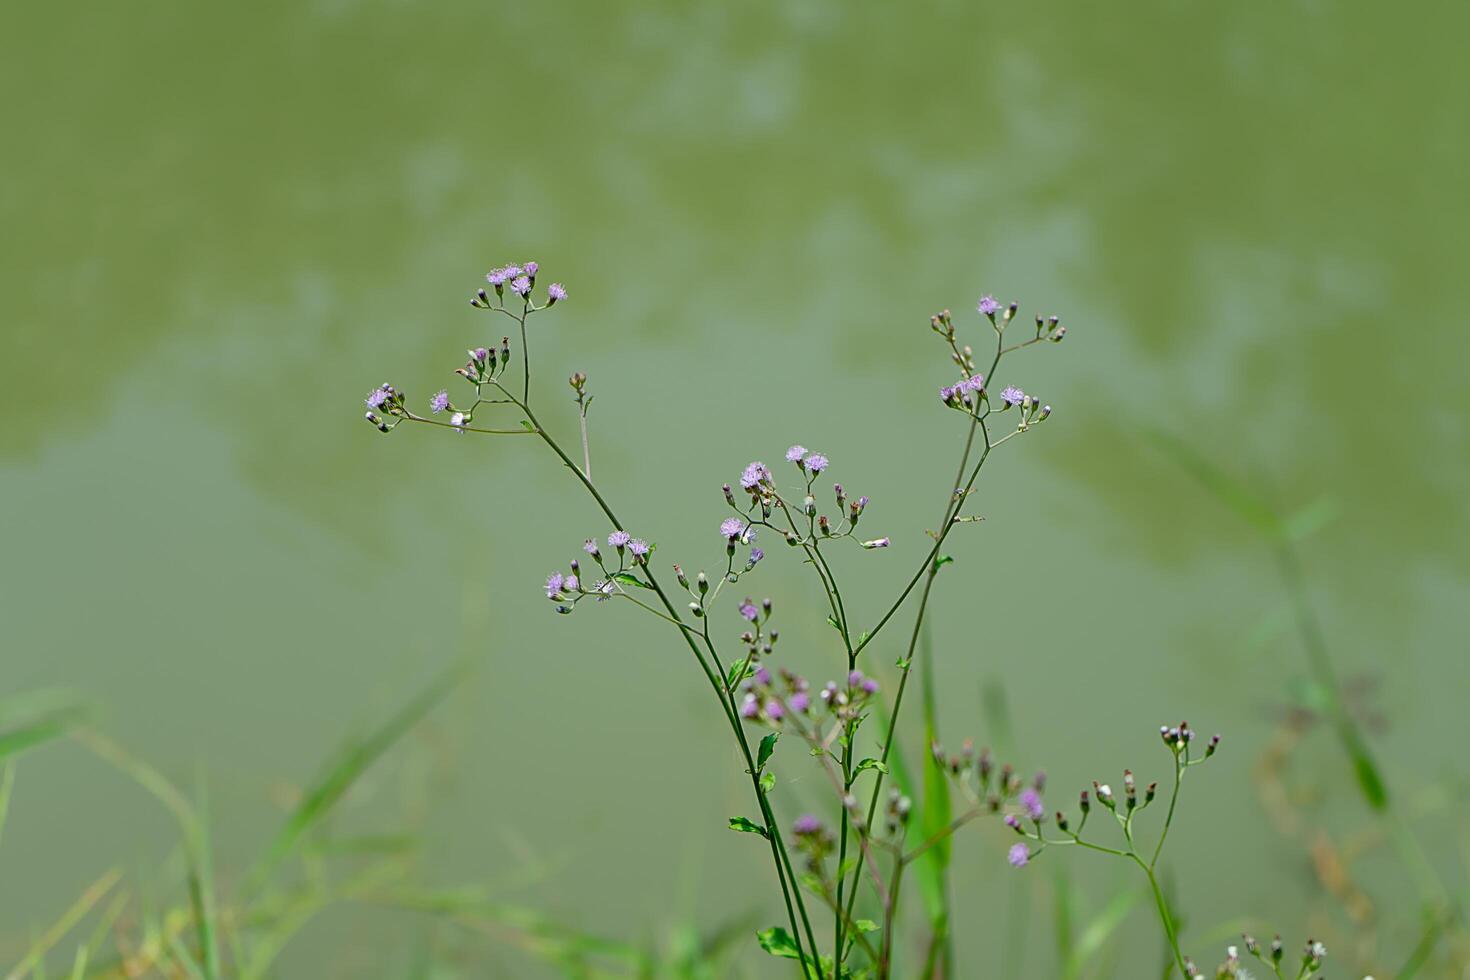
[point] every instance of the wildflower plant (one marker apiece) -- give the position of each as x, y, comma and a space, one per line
864, 843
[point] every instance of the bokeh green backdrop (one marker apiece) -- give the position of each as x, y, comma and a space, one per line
223, 224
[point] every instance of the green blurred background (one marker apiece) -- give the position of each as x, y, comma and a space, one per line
223, 224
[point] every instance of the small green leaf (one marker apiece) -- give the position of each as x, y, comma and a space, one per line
866, 925
737, 672
768, 782
747, 826
872, 764
768, 745
778, 942
627, 578
525, 424
941, 561
832, 622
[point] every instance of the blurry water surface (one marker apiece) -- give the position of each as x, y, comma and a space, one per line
224, 224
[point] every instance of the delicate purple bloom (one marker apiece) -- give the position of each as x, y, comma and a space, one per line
480, 355
1012, 395
1012, 821
520, 285
816, 462
862, 502
731, 528
590, 547
988, 305
571, 584
799, 701
511, 271
750, 707
774, 711
762, 677
604, 591
1031, 800
806, 826
531, 268
618, 539
556, 291
855, 679
378, 396
638, 546
749, 611
439, 402
795, 453
755, 474
948, 393
976, 383
870, 686
457, 420
554, 583
756, 555
1019, 855
876, 542
497, 277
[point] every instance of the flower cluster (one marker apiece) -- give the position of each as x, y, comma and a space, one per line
520, 279
569, 589
801, 523
1312, 955
773, 703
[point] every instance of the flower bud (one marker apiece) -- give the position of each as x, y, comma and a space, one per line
683, 579
703, 583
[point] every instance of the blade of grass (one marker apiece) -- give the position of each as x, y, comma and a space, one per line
932, 867
94, 893
7, 783
200, 865
1099, 929
79, 964
32, 719
352, 762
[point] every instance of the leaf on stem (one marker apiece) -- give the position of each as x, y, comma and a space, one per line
745, 825
767, 746
627, 578
872, 764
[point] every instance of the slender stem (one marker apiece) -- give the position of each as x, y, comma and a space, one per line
1163, 909
1169, 816
778, 849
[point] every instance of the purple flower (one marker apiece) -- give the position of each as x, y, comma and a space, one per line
816, 462
731, 528
497, 277
511, 271
1031, 800
876, 542
439, 402
795, 453
555, 292
571, 584
976, 383
604, 591
1018, 855
1012, 395
756, 555
554, 583
774, 711
590, 547
480, 355
749, 610
378, 396
755, 474
855, 679
799, 701
750, 707
870, 686
1012, 821
948, 393
520, 285
531, 268
618, 539
806, 826
762, 676
988, 305
638, 546
458, 420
